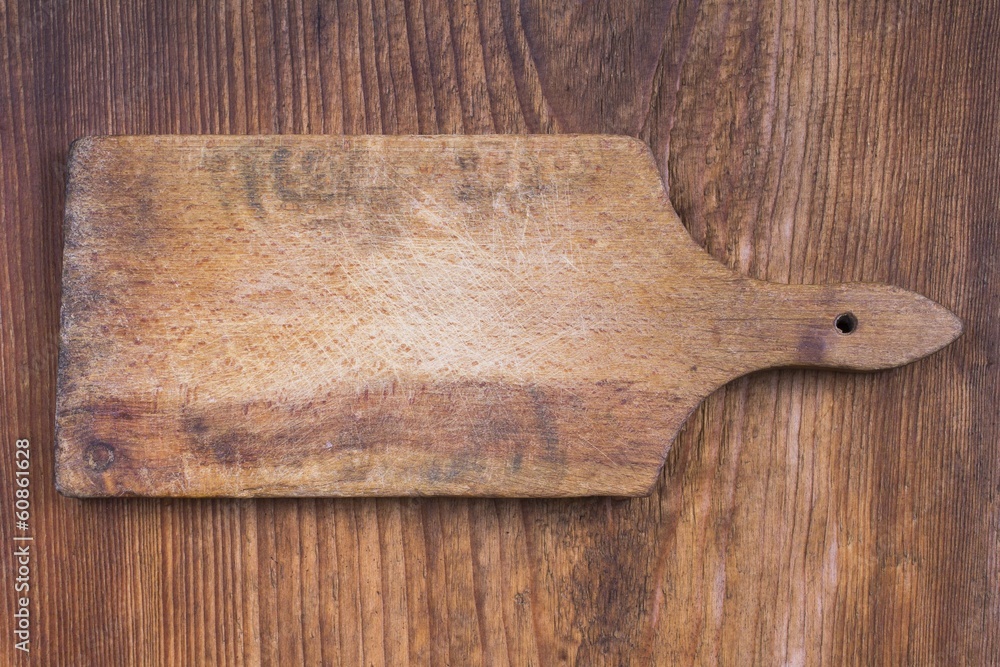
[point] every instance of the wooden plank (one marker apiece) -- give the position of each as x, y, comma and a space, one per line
498, 316
823, 518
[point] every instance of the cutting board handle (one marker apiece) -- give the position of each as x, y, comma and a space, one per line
851, 326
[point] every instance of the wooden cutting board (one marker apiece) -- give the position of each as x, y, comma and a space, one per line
494, 315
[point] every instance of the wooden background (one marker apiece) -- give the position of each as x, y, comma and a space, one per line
802, 517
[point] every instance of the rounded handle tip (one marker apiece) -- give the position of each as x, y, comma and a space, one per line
869, 327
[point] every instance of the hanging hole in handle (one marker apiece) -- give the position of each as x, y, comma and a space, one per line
846, 323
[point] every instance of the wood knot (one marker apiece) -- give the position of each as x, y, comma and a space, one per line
99, 456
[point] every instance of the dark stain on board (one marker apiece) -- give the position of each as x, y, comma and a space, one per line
472, 194
497, 433
545, 425
463, 467
341, 185
467, 161
303, 177
218, 441
378, 431
811, 348
250, 182
231, 447
464, 434
235, 175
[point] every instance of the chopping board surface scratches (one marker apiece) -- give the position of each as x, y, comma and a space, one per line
497, 315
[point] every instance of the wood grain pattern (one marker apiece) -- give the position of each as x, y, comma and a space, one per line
802, 517
418, 315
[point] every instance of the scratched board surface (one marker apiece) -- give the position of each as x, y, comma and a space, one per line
802, 517
505, 316
392, 316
